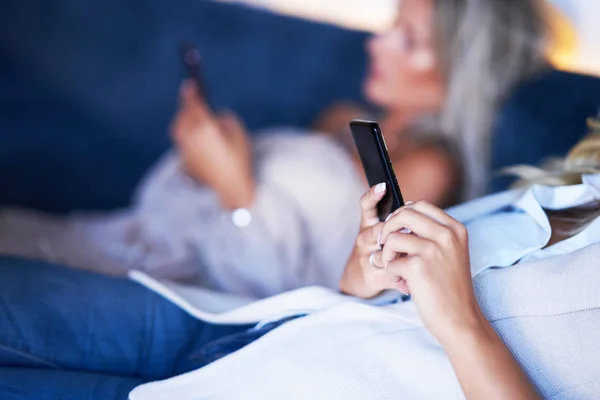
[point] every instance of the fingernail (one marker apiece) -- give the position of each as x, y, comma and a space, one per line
389, 217
380, 188
408, 203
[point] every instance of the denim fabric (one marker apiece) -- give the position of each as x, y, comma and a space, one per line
221, 347
77, 330
43, 384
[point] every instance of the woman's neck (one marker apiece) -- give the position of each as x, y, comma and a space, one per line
559, 230
399, 120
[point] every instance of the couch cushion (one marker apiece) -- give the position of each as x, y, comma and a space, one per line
543, 118
89, 87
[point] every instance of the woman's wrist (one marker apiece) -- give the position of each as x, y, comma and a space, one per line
235, 196
468, 330
483, 364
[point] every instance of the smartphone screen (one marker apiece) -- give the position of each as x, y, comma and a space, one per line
376, 164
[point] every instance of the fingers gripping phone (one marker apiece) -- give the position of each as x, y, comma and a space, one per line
377, 165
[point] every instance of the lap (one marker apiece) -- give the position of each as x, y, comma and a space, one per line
54, 317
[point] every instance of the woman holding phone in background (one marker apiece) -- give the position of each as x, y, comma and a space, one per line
262, 218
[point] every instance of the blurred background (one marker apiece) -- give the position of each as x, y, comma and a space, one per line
87, 89
375, 15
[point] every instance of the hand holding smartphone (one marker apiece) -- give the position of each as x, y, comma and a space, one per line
376, 162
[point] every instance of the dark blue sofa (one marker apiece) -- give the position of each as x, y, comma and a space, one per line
87, 90
543, 118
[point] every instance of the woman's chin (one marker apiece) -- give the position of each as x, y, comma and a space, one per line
376, 93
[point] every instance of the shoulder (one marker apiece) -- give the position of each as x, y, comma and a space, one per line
289, 148
312, 170
429, 173
433, 159
335, 117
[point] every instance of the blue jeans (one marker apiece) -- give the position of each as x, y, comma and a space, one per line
67, 334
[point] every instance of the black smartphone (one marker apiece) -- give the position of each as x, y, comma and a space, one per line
377, 165
193, 67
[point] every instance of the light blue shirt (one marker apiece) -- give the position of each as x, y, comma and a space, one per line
512, 226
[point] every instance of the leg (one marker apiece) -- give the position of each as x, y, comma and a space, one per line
54, 317
40, 384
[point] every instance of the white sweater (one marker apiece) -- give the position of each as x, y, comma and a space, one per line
304, 222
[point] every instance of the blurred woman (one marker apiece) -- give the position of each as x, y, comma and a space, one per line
447, 66
262, 219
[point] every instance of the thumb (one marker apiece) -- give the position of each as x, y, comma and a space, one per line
187, 91
232, 126
368, 204
190, 98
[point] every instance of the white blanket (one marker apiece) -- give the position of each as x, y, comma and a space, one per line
224, 308
547, 312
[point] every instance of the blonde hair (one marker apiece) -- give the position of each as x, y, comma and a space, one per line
485, 48
583, 159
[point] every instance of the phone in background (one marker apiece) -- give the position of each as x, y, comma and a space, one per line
376, 162
193, 66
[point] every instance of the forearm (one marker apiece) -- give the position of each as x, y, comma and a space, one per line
485, 367
334, 120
